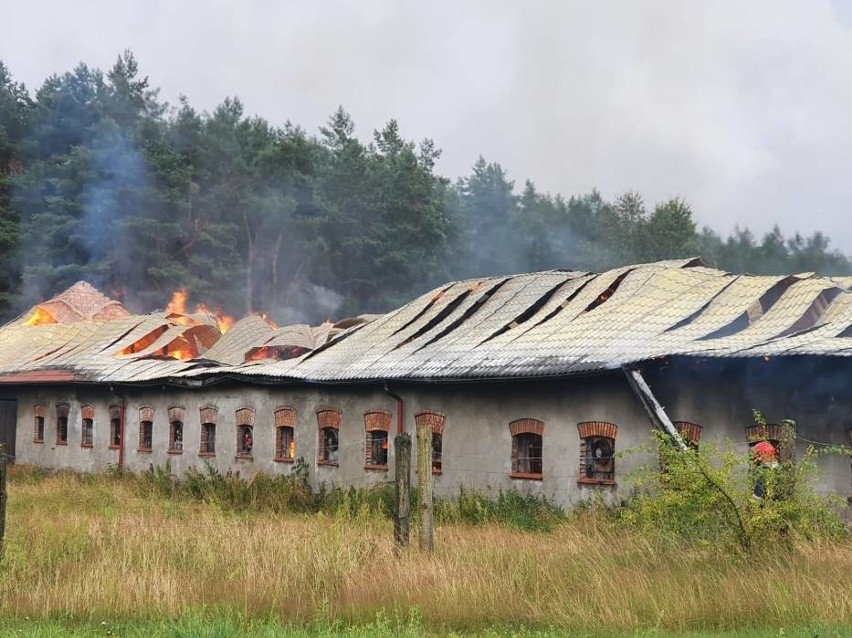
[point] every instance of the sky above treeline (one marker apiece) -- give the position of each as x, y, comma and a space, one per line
743, 109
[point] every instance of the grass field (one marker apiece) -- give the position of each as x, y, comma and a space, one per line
95, 556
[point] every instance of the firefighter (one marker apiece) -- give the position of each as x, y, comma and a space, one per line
764, 458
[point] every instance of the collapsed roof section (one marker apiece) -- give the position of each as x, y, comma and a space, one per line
82, 336
80, 302
554, 323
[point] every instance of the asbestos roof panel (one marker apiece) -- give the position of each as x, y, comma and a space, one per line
245, 334
531, 325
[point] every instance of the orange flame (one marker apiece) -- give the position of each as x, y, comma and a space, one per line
177, 306
222, 320
39, 317
178, 303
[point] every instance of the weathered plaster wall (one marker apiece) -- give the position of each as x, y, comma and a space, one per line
476, 441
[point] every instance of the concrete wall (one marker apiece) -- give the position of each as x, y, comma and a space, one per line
476, 437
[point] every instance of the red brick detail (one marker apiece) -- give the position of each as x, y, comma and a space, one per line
769, 432
209, 414
177, 413
523, 426
285, 416
245, 416
38, 410
146, 413
87, 411
690, 432
377, 420
62, 410
597, 428
328, 418
435, 420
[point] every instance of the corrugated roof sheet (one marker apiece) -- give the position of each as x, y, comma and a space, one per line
529, 325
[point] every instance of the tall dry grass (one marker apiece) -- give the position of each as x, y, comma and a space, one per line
92, 548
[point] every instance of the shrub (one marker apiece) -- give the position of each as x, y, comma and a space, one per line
709, 496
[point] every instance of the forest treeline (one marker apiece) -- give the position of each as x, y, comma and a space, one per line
102, 180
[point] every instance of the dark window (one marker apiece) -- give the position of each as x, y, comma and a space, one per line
436, 451
599, 458
176, 437
146, 435
527, 453
115, 432
434, 421
208, 439
285, 443
38, 434
87, 432
527, 448
245, 440
62, 430
328, 445
597, 452
377, 448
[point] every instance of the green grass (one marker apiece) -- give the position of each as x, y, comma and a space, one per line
110, 555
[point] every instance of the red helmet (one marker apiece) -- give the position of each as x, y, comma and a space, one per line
765, 451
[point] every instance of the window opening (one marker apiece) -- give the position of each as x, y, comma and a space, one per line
62, 424
527, 448
245, 432
245, 440
176, 437
146, 428
285, 434
328, 421
597, 452
377, 424
114, 426
86, 434
436, 421
437, 445
146, 435
208, 439
38, 426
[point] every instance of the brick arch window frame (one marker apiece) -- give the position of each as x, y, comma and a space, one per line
285, 434
177, 423
87, 425
116, 427
62, 409
245, 432
146, 429
782, 436
208, 416
376, 425
527, 449
597, 452
38, 423
437, 421
328, 426
690, 432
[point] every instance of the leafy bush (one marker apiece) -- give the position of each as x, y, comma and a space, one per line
709, 496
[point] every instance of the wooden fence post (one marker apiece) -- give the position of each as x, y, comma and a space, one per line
424, 484
2, 497
402, 517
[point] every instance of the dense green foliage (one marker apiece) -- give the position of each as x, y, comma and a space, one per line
102, 180
708, 496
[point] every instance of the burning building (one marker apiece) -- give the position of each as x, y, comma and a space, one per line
532, 382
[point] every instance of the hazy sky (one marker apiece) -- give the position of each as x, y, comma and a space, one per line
743, 108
